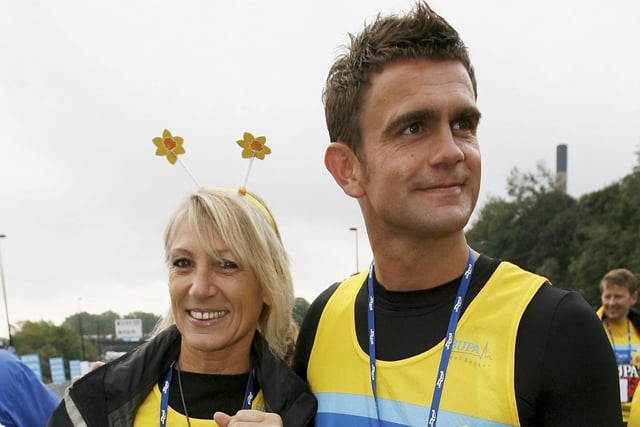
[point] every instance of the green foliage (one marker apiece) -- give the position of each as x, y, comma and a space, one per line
608, 233
64, 341
300, 308
104, 323
572, 242
93, 324
149, 320
49, 340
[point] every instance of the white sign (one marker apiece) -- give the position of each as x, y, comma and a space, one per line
129, 329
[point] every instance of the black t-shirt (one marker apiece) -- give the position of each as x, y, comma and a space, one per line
565, 373
205, 394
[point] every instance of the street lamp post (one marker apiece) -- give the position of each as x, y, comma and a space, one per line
355, 229
81, 331
4, 296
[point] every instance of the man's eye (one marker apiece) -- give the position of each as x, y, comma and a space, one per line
463, 125
181, 263
228, 265
412, 129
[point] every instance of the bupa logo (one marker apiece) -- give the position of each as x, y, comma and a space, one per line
471, 348
627, 371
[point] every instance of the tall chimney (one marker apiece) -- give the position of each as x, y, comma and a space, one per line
561, 167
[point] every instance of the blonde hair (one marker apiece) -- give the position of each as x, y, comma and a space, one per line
253, 238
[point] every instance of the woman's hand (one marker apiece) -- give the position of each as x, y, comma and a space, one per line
248, 417
95, 365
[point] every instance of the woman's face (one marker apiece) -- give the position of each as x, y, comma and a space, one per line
216, 304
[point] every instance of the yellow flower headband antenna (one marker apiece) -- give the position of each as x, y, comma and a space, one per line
252, 147
171, 147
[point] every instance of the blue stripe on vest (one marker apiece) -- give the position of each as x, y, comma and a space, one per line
359, 411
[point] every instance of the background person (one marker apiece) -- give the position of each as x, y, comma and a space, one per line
435, 332
621, 322
24, 400
220, 348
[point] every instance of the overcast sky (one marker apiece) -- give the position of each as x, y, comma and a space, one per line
86, 85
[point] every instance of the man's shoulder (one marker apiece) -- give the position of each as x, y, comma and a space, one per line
555, 307
634, 316
321, 300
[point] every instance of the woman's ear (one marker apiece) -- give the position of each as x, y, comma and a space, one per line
266, 299
345, 168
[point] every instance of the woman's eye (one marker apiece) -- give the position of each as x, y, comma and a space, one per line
228, 265
412, 129
181, 263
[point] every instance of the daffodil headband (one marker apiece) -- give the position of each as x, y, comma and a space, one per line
252, 147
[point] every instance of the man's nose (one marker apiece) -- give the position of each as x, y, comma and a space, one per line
446, 150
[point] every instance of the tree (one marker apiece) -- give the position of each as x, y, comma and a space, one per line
149, 320
92, 324
607, 235
534, 230
300, 308
572, 242
49, 340
104, 323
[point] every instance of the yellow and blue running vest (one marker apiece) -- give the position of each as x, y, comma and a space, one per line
625, 342
479, 386
148, 413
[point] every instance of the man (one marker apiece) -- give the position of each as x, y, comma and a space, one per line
621, 322
24, 400
437, 333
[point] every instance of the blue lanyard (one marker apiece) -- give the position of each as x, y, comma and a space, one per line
164, 398
446, 351
613, 345
250, 393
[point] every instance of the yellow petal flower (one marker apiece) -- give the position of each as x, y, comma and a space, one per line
169, 146
253, 147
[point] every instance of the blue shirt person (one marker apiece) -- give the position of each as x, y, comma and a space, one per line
24, 400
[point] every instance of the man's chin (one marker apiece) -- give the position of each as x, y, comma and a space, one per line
617, 316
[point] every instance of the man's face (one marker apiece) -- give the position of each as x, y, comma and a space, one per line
617, 301
419, 173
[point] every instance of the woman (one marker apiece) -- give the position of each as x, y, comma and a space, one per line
218, 353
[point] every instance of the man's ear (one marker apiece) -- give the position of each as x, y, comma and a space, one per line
345, 168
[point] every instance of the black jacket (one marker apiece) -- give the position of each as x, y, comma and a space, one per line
110, 395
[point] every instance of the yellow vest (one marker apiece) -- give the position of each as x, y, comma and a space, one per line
479, 385
628, 370
148, 413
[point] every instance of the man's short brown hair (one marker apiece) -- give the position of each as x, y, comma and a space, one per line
620, 277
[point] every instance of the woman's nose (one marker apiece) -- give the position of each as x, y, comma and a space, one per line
203, 283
